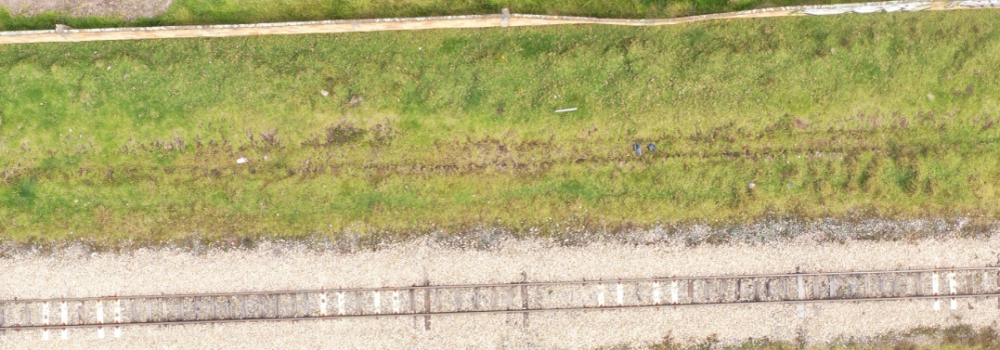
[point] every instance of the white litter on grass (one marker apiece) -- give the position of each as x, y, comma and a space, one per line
324, 93
566, 110
241, 160
917, 7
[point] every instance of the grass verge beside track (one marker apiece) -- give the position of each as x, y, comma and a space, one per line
889, 115
192, 12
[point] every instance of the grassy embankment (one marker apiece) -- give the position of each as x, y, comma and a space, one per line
827, 116
190, 12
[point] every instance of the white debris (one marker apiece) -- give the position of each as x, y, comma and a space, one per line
241, 160
823, 12
324, 93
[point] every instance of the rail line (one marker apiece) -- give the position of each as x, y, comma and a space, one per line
422, 302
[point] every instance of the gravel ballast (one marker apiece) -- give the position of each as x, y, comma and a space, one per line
269, 266
128, 9
729, 324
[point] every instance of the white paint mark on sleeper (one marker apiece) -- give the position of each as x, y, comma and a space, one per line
600, 295
322, 304
802, 295
100, 319
64, 316
673, 292
340, 303
620, 293
936, 290
395, 301
118, 318
657, 298
952, 289
45, 320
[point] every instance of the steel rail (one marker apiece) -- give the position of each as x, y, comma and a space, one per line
508, 311
488, 285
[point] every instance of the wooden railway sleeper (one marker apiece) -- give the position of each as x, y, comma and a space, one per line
739, 286
708, 291
756, 290
833, 287
277, 305
475, 298
895, 285
816, 288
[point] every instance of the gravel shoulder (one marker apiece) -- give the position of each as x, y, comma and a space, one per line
128, 9
79, 272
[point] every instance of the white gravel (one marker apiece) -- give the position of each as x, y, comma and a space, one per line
75, 272
129, 9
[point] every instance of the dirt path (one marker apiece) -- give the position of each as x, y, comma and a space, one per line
65, 34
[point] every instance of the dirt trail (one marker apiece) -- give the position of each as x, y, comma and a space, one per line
65, 34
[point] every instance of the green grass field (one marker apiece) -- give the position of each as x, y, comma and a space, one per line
189, 12
830, 116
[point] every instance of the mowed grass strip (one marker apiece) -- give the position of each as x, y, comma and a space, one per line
193, 12
890, 115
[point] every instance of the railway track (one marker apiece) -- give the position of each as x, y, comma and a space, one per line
942, 288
